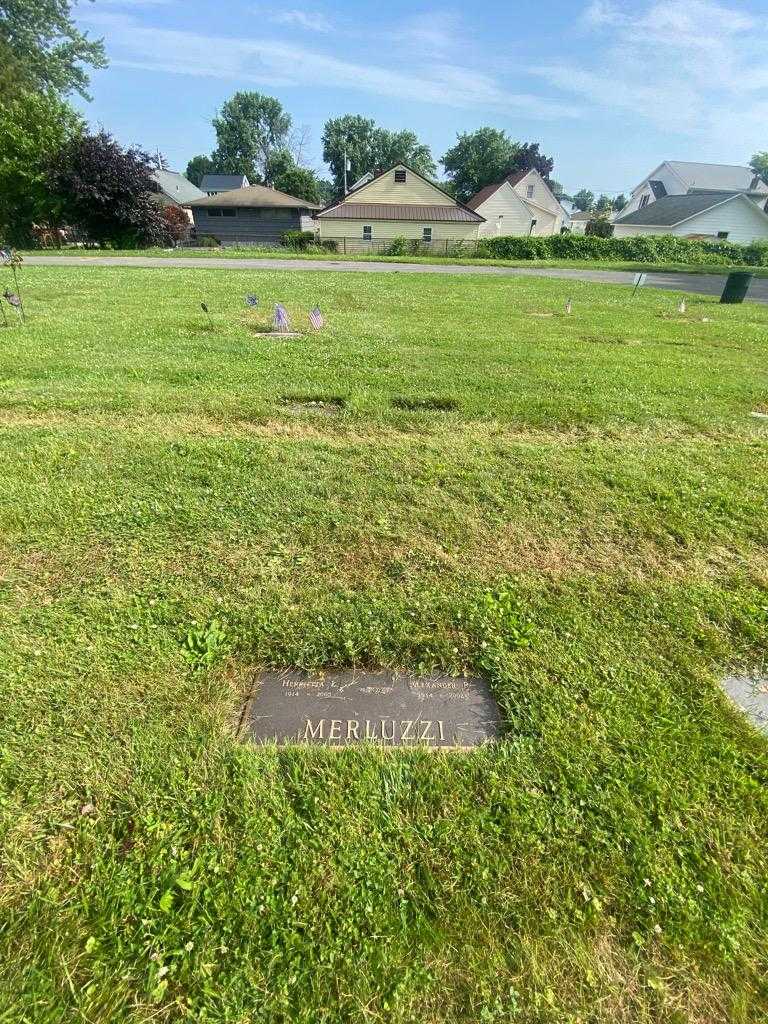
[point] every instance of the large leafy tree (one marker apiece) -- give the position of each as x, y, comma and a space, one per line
107, 191
368, 148
250, 128
584, 199
283, 173
198, 167
41, 36
33, 129
759, 164
620, 202
488, 155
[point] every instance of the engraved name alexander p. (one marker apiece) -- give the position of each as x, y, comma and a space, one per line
386, 730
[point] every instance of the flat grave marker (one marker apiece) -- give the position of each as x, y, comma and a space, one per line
388, 709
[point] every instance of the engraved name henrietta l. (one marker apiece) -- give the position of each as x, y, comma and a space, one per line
388, 730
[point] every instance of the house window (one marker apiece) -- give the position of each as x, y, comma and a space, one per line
426, 234
228, 211
400, 177
367, 233
644, 201
214, 211
530, 191
722, 235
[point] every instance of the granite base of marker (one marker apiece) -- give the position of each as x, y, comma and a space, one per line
386, 709
750, 695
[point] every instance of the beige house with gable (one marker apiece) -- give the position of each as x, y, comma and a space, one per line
522, 204
397, 203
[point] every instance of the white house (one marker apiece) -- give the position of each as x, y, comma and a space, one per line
522, 204
679, 177
731, 216
397, 203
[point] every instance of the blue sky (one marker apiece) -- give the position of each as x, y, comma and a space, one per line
609, 88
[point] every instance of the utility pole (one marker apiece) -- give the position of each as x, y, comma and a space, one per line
346, 164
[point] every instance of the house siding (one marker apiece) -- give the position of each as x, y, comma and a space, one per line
505, 214
259, 226
740, 217
414, 191
349, 233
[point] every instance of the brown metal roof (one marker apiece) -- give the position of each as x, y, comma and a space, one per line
485, 193
254, 196
400, 211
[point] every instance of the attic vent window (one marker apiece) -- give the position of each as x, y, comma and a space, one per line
400, 177
644, 201
530, 190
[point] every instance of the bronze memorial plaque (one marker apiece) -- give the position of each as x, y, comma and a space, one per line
391, 709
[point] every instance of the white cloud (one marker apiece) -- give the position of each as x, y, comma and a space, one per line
433, 34
312, 21
275, 63
696, 67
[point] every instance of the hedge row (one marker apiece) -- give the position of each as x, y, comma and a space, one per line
637, 248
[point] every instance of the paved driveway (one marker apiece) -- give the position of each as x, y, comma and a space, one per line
701, 284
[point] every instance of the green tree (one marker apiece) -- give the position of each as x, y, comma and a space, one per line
370, 148
620, 202
199, 166
759, 164
42, 37
584, 200
604, 204
479, 158
249, 129
300, 182
33, 129
13, 75
557, 189
488, 155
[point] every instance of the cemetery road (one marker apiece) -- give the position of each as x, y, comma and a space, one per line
700, 284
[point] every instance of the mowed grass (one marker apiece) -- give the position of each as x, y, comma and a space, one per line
573, 506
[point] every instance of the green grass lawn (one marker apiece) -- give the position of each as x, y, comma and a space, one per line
586, 528
254, 253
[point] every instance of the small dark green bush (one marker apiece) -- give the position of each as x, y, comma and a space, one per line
207, 242
329, 244
297, 240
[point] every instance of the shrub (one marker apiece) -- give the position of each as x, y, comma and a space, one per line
297, 240
398, 247
329, 244
176, 223
635, 248
207, 242
600, 227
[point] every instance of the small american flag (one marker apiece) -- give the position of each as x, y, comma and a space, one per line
316, 318
281, 318
252, 301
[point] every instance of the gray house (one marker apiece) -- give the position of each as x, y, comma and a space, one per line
173, 189
255, 215
212, 184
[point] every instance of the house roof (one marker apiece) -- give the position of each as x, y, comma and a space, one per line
672, 210
400, 211
176, 186
721, 177
485, 193
338, 204
223, 182
517, 177
254, 196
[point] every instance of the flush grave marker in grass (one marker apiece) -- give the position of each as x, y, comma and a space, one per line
389, 709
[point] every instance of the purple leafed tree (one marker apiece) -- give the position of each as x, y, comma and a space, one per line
107, 192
